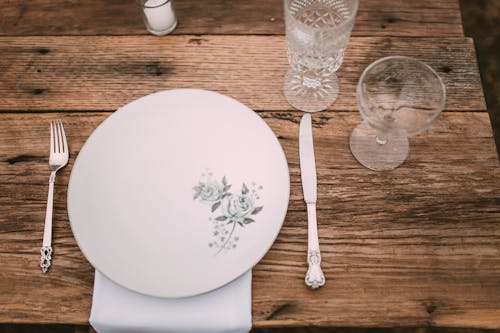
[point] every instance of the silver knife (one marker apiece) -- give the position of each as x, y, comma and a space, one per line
314, 277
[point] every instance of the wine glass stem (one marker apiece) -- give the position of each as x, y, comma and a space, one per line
311, 81
380, 140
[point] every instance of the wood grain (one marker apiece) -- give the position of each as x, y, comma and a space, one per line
122, 17
104, 73
419, 246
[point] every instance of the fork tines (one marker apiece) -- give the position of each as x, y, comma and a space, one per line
58, 143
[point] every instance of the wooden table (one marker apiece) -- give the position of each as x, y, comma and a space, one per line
418, 246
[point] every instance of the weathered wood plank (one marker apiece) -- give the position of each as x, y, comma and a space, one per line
104, 73
414, 247
120, 17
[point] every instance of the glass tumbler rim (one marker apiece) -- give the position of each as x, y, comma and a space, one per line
367, 70
308, 27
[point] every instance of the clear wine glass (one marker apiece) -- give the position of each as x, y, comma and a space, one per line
317, 33
398, 97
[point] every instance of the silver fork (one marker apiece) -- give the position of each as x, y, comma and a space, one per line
59, 156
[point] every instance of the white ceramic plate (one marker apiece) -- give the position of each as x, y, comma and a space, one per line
178, 193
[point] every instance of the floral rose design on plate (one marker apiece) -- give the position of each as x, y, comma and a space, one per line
231, 210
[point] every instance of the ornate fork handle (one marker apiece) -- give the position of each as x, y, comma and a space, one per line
46, 250
314, 277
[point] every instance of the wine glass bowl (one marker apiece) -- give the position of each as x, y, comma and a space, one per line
398, 97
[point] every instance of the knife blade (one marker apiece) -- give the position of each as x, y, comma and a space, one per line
307, 161
314, 276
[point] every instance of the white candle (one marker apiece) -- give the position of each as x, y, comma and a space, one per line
160, 15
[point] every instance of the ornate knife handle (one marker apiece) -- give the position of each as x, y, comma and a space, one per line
45, 258
314, 277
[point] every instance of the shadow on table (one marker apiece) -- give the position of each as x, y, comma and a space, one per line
480, 21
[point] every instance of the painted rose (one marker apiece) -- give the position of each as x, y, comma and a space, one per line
210, 191
237, 207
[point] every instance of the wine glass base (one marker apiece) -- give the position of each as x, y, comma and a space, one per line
311, 92
374, 155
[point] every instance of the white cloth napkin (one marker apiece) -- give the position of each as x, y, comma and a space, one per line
116, 309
